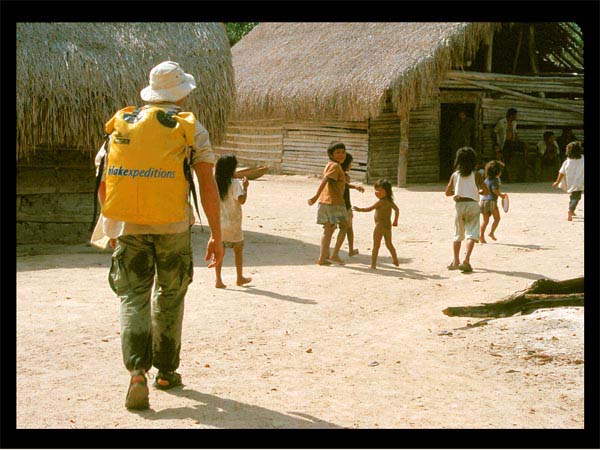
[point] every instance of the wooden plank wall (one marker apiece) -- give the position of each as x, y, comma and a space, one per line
305, 146
255, 143
55, 194
384, 146
424, 143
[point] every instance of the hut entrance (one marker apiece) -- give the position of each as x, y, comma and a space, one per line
449, 124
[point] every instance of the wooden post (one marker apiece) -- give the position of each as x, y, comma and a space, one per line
532, 55
517, 51
403, 154
488, 56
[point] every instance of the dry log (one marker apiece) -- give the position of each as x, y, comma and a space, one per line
542, 293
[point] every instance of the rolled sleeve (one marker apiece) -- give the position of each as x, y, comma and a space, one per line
203, 149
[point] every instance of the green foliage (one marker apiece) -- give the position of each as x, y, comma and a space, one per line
237, 30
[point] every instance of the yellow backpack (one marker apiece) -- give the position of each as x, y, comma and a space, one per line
147, 177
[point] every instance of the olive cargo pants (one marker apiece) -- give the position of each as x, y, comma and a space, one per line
151, 321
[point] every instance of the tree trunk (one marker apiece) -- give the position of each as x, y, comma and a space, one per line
541, 294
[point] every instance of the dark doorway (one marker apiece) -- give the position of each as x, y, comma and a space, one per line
448, 120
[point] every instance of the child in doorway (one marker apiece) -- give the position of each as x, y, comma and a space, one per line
383, 224
233, 193
489, 202
464, 187
346, 166
571, 176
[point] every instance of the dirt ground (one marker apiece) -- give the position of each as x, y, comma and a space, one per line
305, 346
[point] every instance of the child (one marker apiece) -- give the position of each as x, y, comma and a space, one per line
346, 166
383, 226
572, 172
464, 186
489, 205
332, 210
233, 193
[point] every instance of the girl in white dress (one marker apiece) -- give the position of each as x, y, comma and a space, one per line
233, 193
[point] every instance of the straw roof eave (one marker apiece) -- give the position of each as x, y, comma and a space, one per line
72, 77
345, 70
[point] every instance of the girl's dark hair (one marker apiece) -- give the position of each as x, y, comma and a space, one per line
333, 146
493, 168
547, 135
224, 170
347, 162
386, 186
511, 112
465, 161
574, 150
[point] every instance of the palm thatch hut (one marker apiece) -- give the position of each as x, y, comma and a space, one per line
390, 90
71, 78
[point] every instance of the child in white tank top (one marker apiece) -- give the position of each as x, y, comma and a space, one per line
464, 187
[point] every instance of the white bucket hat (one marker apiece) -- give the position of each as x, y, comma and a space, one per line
168, 83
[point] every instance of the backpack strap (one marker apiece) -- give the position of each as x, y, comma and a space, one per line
99, 179
187, 169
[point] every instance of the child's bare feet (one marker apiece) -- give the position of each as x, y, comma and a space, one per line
219, 285
353, 252
396, 262
243, 280
373, 267
323, 262
570, 216
492, 236
482, 239
337, 259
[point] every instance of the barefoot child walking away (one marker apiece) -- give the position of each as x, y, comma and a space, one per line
489, 202
383, 224
464, 187
571, 175
346, 166
332, 209
233, 193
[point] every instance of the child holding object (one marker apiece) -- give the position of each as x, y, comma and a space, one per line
383, 224
571, 176
233, 193
332, 210
489, 202
464, 187
346, 166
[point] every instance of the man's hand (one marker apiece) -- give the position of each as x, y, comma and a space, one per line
395, 224
245, 183
214, 252
113, 243
360, 189
311, 201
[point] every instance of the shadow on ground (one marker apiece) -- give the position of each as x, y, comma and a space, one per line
224, 413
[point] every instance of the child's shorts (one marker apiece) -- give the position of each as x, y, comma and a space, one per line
332, 214
466, 221
488, 206
231, 244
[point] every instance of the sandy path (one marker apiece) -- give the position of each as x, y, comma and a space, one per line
380, 353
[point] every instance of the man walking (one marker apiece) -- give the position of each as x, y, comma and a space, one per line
148, 216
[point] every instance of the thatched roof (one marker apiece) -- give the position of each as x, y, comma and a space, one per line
71, 77
343, 70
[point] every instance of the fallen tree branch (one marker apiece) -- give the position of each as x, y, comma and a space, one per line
540, 294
